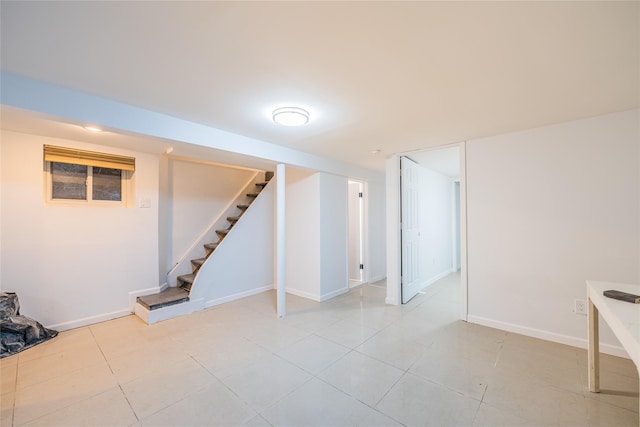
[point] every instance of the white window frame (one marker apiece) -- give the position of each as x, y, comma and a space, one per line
125, 180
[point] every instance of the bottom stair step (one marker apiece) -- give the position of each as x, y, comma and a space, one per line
169, 296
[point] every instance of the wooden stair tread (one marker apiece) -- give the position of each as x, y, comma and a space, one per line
242, 207
198, 261
187, 278
169, 296
211, 246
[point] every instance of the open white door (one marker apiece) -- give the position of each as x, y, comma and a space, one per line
410, 208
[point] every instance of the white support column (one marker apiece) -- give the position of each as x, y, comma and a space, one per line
280, 240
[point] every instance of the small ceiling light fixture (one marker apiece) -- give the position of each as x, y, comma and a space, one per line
290, 116
376, 151
93, 129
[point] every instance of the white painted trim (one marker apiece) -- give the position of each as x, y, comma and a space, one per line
366, 261
303, 294
356, 283
133, 295
316, 297
169, 312
363, 233
333, 294
65, 326
376, 279
210, 163
229, 298
437, 277
546, 335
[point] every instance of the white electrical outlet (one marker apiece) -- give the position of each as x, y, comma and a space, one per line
580, 306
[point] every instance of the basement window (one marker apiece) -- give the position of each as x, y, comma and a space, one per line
86, 177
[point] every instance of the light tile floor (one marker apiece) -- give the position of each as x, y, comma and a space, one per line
351, 361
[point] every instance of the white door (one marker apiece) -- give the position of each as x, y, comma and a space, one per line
355, 233
410, 219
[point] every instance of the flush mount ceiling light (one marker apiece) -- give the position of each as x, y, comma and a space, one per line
290, 116
93, 128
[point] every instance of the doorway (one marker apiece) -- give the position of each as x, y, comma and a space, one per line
356, 235
436, 254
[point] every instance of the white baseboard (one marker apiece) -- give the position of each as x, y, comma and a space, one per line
546, 335
65, 326
316, 297
334, 294
133, 295
437, 277
376, 279
239, 295
304, 294
391, 301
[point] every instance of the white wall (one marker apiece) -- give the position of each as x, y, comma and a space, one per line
317, 234
243, 263
198, 194
549, 208
334, 235
73, 265
456, 226
303, 233
435, 195
376, 238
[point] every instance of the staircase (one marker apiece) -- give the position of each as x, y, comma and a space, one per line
180, 293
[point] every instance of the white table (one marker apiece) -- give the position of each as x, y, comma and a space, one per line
622, 317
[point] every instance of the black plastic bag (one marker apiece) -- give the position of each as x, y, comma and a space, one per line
18, 332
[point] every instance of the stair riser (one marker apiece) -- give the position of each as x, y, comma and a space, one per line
195, 267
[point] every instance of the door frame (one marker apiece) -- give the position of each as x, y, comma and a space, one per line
394, 230
362, 234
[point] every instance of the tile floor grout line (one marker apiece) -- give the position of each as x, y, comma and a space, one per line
475, 416
221, 381
135, 414
361, 401
15, 390
391, 388
64, 407
284, 396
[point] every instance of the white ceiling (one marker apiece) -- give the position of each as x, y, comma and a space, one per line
394, 76
442, 160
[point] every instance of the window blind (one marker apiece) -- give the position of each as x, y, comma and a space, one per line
88, 158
